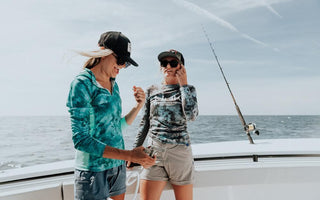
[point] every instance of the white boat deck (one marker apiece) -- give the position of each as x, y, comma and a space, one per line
268, 169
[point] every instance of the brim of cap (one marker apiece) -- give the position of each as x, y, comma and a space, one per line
167, 54
131, 61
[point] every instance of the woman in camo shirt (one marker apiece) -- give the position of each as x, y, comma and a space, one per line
167, 109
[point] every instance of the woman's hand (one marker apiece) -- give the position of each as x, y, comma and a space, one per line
139, 95
181, 75
139, 156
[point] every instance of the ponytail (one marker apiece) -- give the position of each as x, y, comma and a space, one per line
91, 63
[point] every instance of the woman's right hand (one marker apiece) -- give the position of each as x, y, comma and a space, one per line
139, 156
181, 75
139, 95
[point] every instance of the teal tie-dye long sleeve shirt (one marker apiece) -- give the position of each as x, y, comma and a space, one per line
95, 121
166, 112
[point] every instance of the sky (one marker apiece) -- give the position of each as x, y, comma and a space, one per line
268, 50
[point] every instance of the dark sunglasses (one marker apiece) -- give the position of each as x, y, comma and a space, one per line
173, 63
121, 61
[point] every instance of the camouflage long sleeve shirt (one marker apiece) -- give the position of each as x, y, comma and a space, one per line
166, 112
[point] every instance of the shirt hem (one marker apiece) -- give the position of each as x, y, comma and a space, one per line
84, 168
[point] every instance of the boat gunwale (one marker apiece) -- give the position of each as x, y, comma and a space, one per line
245, 151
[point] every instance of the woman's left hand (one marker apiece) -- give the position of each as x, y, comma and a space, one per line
139, 95
181, 75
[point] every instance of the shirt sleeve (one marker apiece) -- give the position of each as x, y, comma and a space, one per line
79, 108
189, 102
144, 124
124, 123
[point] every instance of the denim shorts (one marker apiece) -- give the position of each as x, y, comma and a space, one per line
100, 185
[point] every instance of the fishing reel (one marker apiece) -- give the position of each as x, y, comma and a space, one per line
251, 127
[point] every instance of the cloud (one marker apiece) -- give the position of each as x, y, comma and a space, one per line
200, 11
226, 7
253, 39
316, 43
268, 6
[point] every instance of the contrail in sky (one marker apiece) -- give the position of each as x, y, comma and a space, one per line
264, 3
196, 9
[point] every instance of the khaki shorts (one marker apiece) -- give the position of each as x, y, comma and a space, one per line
174, 164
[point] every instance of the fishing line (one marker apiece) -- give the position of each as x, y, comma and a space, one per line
251, 127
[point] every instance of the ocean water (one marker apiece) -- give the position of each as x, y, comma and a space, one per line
27, 141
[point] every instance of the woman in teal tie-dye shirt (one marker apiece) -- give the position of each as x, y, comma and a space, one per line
95, 110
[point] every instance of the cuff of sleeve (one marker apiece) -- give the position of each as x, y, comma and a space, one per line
100, 148
123, 123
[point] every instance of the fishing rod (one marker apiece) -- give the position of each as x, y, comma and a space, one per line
251, 127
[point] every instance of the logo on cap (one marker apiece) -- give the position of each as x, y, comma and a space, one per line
129, 47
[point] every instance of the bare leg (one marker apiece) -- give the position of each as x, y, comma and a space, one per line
118, 197
151, 190
183, 192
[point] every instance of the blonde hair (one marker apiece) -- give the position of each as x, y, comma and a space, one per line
89, 64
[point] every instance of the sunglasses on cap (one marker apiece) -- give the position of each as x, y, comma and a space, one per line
173, 63
121, 61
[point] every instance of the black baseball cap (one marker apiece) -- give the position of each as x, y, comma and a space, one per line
118, 43
171, 53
